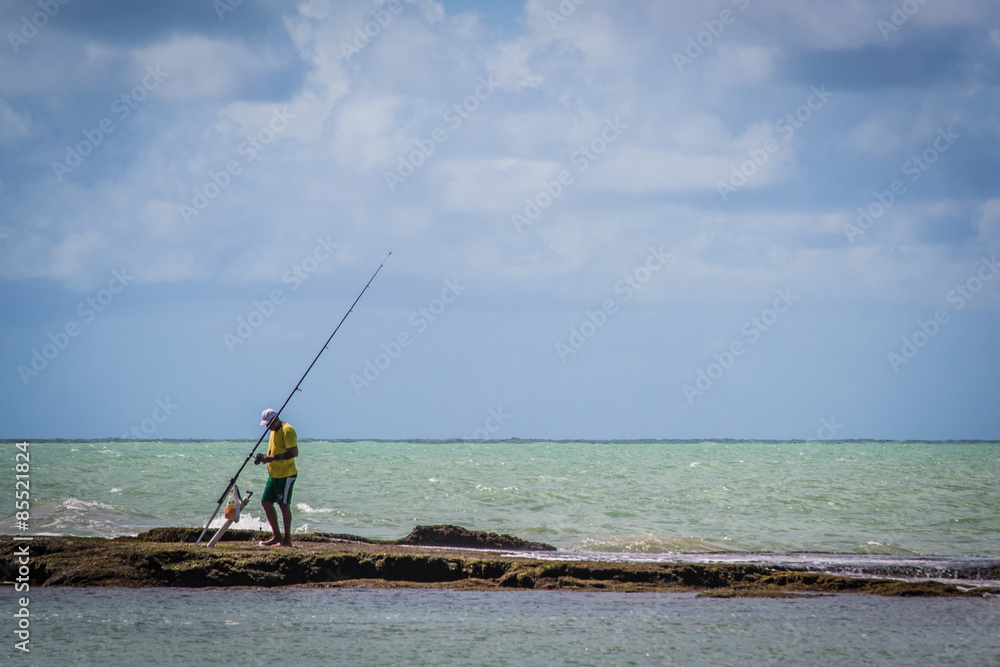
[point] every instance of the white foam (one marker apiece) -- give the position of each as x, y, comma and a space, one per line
309, 509
645, 544
73, 516
246, 522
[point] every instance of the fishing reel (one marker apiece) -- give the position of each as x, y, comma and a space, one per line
258, 459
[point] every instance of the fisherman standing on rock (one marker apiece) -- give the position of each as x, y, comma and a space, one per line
282, 449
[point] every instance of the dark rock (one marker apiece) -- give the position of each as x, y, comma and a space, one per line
458, 537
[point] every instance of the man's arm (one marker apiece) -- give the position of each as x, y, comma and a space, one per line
290, 453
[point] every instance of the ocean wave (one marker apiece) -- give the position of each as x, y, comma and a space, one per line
247, 522
73, 516
309, 509
646, 544
884, 549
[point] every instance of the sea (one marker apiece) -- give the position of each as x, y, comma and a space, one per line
907, 510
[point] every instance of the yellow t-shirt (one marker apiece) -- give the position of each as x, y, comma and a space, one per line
282, 440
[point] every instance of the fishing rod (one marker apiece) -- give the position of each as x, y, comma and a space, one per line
261, 438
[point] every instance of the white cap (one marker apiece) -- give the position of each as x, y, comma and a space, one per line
267, 416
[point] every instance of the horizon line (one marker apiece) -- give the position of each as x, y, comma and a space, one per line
509, 440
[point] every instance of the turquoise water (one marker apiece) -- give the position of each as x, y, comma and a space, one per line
881, 504
843, 497
408, 627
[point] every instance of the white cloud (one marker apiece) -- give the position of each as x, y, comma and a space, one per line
495, 186
697, 132
987, 222
354, 116
636, 170
817, 24
14, 127
875, 135
202, 68
367, 132
467, 25
509, 62
733, 65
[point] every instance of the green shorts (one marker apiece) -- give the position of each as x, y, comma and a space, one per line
278, 490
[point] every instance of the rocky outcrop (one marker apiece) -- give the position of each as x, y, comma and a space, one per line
428, 536
455, 536
168, 557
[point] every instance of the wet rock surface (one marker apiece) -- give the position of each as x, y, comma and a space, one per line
168, 557
429, 536
455, 536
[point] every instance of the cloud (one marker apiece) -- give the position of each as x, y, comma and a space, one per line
14, 127
496, 186
987, 222
733, 65
276, 127
203, 68
367, 133
353, 114
637, 170
879, 134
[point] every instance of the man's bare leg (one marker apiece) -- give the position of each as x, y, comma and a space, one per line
272, 518
286, 516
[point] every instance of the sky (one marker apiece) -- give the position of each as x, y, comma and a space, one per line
608, 219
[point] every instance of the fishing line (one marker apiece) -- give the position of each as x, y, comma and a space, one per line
232, 481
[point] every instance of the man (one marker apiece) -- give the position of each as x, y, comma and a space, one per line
282, 449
